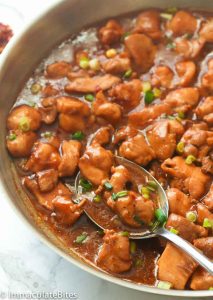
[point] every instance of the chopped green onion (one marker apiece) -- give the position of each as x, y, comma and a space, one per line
211, 288
145, 192
171, 117
138, 263
125, 35
12, 137
94, 64
181, 115
170, 45
97, 199
207, 223
149, 97
24, 124
153, 184
151, 189
190, 159
100, 232
191, 216
133, 247
78, 135
119, 195
114, 197
86, 185
81, 238
171, 10
180, 147
84, 63
173, 230
164, 285
124, 233
108, 186
146, 86
31, 104
128, 73
47, 134
166, 16
160, 215
156, 92
35, 88
138, 220
89, 97
111, 53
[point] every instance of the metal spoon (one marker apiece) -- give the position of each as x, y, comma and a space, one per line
147, 232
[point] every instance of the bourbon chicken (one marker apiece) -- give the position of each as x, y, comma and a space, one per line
138, 87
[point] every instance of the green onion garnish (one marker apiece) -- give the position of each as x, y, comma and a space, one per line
170, 45
180, 147
145, 192
47, 134
166, 16
125, 35
138, 263
149, 97
78, 135
124, 233
160, 215
173, 230
84, 63
97, 199
89, 97
191, 216
81, 238
164, 285
171, 10
12, 137
207, 223
108, 186
181, 115
119, 195
24, 124
133, 247
128, 73
86, 185
35, 88
190, 159
153, 184
211, 288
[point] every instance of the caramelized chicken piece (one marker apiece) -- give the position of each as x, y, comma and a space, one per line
116, 65
148, 22
49, 90
179, 203
128, 93
141, 49
205, 111
201, 280
206, 31
103, 135
48, 111
162, 77
202, 213
182, 23
47, 180
57, 70
44, 156
140, 118
123, 133
120, 176
189, 48
22, 143
92, 84
71, 123
207, 79
175, 266
70, 157
24, 117
114, 255
207, 165
205, 245
186, 71
71, 105
47, 199
104, 109
182, 100
157, 172
186, 229
96, 163
66, 212
110, 33
208, 200
192, 178
136, 149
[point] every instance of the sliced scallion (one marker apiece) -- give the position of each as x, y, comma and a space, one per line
81, 238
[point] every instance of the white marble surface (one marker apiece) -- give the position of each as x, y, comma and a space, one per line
26, 265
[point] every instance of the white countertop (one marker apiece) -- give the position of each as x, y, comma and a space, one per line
27, 265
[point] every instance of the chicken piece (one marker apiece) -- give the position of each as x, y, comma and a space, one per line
92, 84
182, 23
205, 111
116, 65
205, 245
186, 71
120, 176
110, 112
206, 31
110, 33
162, 77
71, 123
193, 180
44, 156
179, 203
175, 266
201, 280
182, 100
202, 213
71, 105
207, 78
128, 94
78, 74
186, 229
207, 165
57, 70
48, 111
49, 90
189, 48
24, 117
148, 22
47, 180
162, 140
140, 118
22, 143
47, 199
157, 172
141, 49
66, 212
96, 163
103, 135
137, 150
70, 157
114, 255
208, 199
124, 133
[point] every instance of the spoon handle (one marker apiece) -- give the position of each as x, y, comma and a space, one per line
188, 248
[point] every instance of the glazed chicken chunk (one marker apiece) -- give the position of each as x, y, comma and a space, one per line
110, 33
